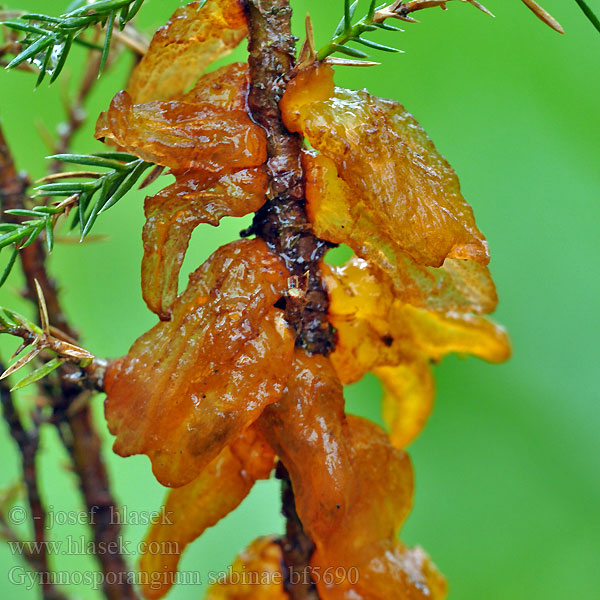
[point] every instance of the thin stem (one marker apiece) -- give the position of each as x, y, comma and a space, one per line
353, 33
72, 414
28, 444
297, 547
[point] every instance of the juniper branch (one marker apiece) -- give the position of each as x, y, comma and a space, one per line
284, 225
46, 340
71, 413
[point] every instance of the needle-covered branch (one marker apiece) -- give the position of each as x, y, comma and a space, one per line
67, 397
48, 40
49, 343
377, 17
98, 192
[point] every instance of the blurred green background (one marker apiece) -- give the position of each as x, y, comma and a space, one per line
508, 468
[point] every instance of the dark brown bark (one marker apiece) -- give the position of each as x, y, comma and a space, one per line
71, 415
296, 546
28, 443
282, 222
13, 188
285, 227
73, 419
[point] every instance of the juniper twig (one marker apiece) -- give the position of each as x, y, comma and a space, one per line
71, 414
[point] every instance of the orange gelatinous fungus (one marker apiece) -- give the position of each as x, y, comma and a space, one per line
256, 574
216, 154
185, 46
461, 285
396, 573
408, 394
189, 510
190, 386
314, 84
216, 391
226, 88
173, 214
352, 488
305, 428
363, 553
181, 135
458, 285
219, 94
359, 306
223, 386
401, 194
376, 326
436, 334
379, 332
381, 498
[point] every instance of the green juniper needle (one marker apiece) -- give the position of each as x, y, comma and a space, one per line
48, 40
88, 198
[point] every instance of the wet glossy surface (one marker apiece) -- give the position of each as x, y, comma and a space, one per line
191, 385
379, 332
174, 213
385, 186
190, 509
379, 185
216, 392
382, 488
408, 394
305, 428
337, 215
353, 489
216, 154
182, 135
260, 562
185, 46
